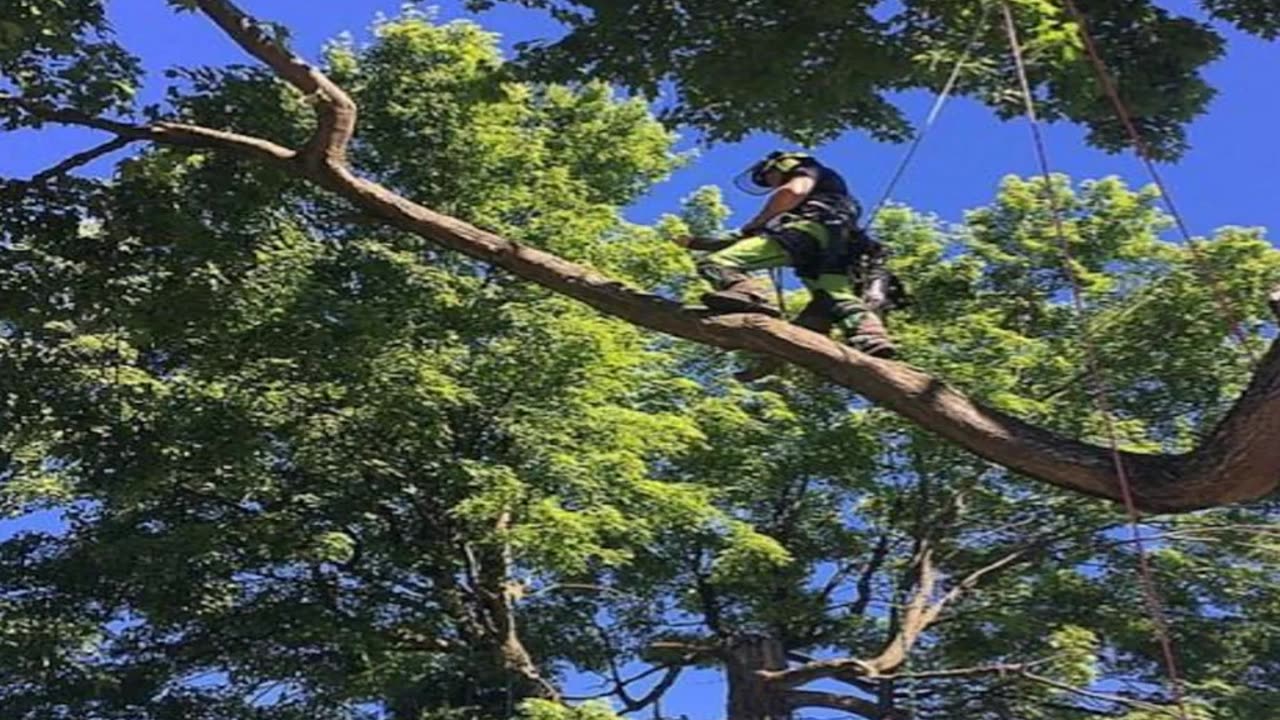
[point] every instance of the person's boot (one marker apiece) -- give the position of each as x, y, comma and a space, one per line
870, 337
746, 295
813, 317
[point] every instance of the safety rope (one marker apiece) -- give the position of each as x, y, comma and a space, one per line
939, 102
1155, 607
775, 274
1226, 307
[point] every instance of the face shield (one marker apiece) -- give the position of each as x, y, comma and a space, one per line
751, 180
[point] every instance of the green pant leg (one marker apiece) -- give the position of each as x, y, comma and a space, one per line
837, 291
750, 253
729, 267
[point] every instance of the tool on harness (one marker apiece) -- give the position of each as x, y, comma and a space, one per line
880, 288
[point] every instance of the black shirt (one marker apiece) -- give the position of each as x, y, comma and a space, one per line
829, 189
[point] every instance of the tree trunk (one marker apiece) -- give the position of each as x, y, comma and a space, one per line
751, 697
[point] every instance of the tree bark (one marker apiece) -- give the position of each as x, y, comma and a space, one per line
751, 695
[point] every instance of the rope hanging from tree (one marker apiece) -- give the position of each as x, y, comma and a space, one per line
1101, 397
934, 113
1226, 308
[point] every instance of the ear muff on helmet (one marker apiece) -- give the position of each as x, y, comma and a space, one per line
752, 180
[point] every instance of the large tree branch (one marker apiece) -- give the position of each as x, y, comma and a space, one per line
335, 109
920, 612
917, 616
1237, 462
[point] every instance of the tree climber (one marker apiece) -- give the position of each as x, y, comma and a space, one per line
810, 222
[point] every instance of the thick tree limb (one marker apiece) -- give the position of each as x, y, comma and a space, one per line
918, 615
335, 109
1239, 461
1274, 301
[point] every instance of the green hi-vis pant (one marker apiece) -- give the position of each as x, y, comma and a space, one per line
834, 292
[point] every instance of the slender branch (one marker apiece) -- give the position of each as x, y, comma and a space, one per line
1003, 669
970, 581
580, 587
335, 109
876, 562
695, 649
843, 669
656, 693
1106, 697
672, 670
1078, 709
165, 133
709, 600
81, 159
808, 698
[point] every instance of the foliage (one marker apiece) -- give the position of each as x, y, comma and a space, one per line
63, 51
309, 467
738, 67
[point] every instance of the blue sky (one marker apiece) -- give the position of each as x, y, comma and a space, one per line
1228, 178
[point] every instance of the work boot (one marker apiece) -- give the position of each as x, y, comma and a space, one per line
870, 337
742, 296
815, 317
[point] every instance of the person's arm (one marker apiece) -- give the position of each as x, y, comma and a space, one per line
786, 197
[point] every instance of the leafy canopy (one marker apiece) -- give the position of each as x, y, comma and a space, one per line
308, 467
809, 69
